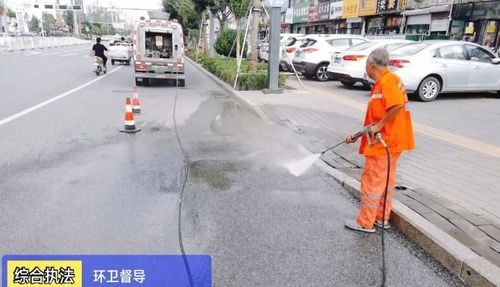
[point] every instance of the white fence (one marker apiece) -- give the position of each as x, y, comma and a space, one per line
11, 44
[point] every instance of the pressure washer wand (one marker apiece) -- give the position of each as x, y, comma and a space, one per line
355, 137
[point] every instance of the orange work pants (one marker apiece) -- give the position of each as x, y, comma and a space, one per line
373, 181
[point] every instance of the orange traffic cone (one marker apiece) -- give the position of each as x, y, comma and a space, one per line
136, 105
129, 119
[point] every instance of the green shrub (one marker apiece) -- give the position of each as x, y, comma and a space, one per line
225, 41
225, 69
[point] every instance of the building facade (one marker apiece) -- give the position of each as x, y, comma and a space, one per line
470, 20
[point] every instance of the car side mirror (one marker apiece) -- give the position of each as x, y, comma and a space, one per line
495, 61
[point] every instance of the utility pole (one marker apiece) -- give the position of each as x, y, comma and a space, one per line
274, 47
76, 29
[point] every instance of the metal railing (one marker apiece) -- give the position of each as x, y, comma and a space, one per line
11, 44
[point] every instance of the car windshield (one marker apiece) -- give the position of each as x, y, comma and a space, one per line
411, 49
362, 46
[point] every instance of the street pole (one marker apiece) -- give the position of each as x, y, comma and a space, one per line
274, 49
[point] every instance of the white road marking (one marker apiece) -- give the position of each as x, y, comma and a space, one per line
66, 51
70, 54
31, 53
56, 98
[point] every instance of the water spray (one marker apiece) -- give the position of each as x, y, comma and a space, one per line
297, 168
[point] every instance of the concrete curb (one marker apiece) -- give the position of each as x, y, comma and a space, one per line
473, 269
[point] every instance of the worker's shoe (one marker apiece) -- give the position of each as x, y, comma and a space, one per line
379, 224
352, 224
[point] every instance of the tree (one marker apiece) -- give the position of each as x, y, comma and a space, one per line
239, 9
34, 24
10, 13
220, 9
201, 8
48, 22
96, 30
68, 19
185, 12
254, 32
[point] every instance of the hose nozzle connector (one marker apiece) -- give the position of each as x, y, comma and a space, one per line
378, 137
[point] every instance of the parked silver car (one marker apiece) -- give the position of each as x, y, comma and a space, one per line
439, 66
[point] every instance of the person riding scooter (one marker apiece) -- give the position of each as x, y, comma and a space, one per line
98, 50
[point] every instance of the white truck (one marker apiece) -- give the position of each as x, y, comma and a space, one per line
120, 52
158, 51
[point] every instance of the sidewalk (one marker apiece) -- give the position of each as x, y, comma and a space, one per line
437, 180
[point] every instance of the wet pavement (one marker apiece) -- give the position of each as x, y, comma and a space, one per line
73, 184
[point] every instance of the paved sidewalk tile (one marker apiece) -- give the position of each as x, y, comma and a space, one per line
452, 186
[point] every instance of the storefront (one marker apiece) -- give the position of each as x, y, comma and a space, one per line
391, 11
477, 22
354, 25
417, 24
428, 21
374, 26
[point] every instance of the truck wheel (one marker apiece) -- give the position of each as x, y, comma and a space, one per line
138, 83
181, 83
113, 62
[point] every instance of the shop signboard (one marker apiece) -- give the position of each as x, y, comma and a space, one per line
387, 6
350, 9
336, 9
324, 11
470, 28
313, 13
491, 28
367, 7
301, 12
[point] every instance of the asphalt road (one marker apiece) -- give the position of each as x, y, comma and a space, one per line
73, 184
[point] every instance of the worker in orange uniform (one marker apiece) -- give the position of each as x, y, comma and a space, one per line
388, 114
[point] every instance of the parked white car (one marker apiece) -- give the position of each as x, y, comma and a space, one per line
264, 47
286, 59
348, 66
439, 66
313, 57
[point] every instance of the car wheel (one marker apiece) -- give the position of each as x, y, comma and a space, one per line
113, 62
428, 89
347, 84
321, 73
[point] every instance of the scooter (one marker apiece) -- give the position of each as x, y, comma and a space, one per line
99, 66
